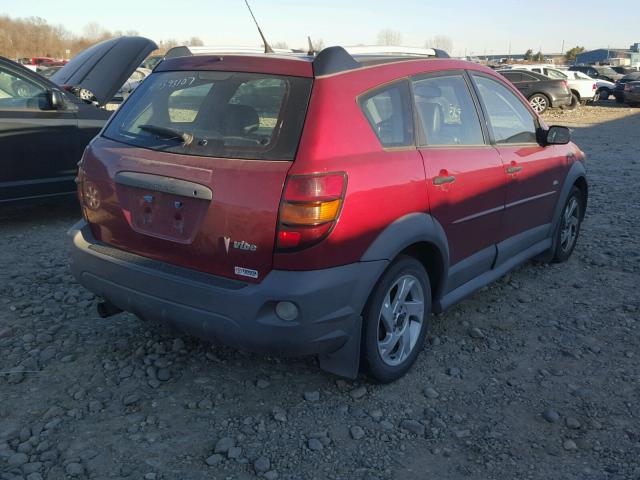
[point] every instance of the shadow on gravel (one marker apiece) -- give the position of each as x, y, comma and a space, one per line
40, 211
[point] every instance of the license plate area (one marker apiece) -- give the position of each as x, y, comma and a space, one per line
162, 207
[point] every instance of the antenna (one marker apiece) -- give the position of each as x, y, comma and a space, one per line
312, 51
267, 47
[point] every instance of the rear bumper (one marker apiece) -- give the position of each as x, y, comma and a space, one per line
561, 100
227, 311
631, 97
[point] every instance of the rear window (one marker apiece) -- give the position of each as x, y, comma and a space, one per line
215, 114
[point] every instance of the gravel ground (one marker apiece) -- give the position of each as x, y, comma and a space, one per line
534, 377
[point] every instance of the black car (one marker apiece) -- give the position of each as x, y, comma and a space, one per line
541, 91
632, 93
624, 70
45, 124
601, 72
618, 91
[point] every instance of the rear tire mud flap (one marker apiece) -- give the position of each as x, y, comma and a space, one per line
345, 361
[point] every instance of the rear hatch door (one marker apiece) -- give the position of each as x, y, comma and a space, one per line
190, 171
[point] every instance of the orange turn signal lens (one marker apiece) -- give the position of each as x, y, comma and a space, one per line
312, 213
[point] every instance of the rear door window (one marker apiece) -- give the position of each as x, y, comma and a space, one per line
215, 114
446, 111
390, 115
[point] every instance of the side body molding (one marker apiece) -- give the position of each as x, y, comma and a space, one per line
406, 231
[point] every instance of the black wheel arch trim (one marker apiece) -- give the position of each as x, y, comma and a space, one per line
577, 173
406, 231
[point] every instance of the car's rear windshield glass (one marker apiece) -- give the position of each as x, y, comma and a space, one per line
215, 114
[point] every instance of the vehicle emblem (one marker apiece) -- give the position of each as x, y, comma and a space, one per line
246, 272
148, 198
177, 205
227, 241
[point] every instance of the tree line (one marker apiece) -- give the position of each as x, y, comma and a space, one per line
34, 37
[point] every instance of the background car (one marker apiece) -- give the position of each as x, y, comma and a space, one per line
618, 90
541, 91
625, 70
582, 89
132, 82
604, 88
603, 72
632, 93
44, 127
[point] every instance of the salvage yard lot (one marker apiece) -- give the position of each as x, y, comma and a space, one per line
533, 377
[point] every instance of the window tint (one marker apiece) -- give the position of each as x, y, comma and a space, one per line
446, 111
510, 120
225, 114
17, 92
389, 113
513, 77
529, 78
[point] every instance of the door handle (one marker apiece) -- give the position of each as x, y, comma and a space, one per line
514, 169
441, 180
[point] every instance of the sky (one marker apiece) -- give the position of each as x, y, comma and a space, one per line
475, 27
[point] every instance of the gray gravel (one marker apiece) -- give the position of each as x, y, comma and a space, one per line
534, 377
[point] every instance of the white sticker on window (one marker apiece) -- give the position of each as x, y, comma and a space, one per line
246, 272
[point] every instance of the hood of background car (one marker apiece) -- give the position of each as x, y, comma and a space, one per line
103, 68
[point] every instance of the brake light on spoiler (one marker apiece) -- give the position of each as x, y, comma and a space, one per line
310, 208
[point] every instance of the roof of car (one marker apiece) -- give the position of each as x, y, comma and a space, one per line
331, 60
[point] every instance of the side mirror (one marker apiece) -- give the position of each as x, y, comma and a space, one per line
56, 100
557, 135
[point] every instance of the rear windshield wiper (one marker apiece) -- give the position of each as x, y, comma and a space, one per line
169, 133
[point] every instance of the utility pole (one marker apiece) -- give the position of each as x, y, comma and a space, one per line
562, 49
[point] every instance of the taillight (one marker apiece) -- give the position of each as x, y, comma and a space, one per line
566, 85
627, 87
594, 87
310, 208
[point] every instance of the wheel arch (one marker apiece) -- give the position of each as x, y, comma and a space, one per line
418, 235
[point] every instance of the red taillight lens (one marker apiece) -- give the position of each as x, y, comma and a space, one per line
627, 87
594, 87
310, 207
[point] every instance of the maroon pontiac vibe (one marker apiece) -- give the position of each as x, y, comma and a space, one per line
320, 204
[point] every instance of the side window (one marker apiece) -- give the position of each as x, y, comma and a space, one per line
17, 92
513, 77
446, 111
537, 70
529, 78
510, 120
389, 113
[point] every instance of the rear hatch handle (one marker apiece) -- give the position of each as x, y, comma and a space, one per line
159, 183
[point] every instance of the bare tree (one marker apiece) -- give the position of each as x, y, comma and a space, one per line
442, 42
318, 44
389, 37
195, 42
280, 45
95, 31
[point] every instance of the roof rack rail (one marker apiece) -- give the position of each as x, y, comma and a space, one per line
395, 51
340, 59
186, 51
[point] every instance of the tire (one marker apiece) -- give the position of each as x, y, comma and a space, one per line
575, 101
407, 320
566, 235
539, 102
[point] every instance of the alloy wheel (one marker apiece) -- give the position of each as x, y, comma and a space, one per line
539, 103
400, 320
570, 224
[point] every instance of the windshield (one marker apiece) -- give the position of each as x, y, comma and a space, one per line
608, 71
215, 114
